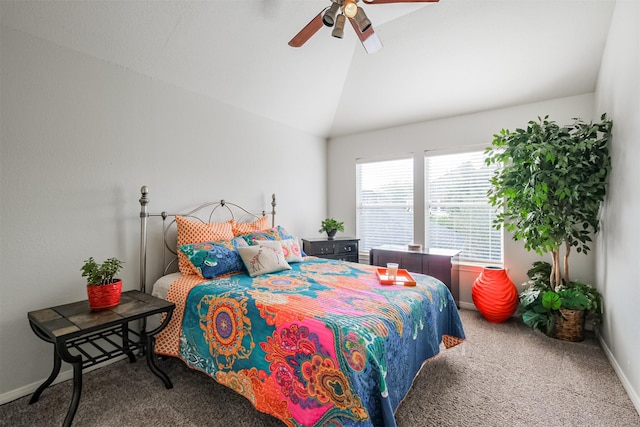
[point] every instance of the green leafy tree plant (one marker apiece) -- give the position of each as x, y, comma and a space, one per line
548, 187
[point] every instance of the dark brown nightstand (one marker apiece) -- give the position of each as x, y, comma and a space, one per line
342, 248
85, 338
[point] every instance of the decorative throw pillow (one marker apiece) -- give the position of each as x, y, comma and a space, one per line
290, 248
276, 233
213, 259
190, 231
264, 257
259, 224
283, 233
238, 242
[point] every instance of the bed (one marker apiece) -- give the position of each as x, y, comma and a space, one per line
310, 341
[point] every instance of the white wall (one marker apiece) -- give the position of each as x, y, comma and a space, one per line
456, 132
618, 93
79, 137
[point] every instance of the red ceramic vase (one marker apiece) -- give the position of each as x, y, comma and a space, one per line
494, 294
104, 297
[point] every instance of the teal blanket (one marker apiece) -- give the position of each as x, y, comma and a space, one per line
322, 344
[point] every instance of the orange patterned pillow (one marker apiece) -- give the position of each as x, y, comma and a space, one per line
198, 232
259, 224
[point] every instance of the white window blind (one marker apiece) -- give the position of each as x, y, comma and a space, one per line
458, 213
384, 202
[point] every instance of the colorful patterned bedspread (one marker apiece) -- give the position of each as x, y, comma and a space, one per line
322, 344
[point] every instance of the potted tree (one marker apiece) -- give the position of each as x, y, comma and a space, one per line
543, 309
549, 188
103, 288
331, 227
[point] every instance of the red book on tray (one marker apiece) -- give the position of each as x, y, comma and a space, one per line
402, 278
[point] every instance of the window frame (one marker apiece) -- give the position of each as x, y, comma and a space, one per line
420, 201
364, 253
479, 149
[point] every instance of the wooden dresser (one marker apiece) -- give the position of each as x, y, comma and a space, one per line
434, 262
342, 248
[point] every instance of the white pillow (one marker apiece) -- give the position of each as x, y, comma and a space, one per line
264, 257
290, 247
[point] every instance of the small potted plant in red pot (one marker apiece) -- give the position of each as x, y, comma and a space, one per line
103, 289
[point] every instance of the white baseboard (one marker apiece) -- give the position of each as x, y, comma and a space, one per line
65, 375
633, 394
467, 305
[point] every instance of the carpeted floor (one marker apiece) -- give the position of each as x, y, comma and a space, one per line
503, 375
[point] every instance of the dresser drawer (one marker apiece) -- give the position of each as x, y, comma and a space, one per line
344, 248
320, 248
347, 257
347, 247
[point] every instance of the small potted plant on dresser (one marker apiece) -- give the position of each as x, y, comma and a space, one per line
331, 227
103, 288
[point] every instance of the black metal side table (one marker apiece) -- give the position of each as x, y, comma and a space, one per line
85, 338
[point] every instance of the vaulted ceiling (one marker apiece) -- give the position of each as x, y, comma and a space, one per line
439, 59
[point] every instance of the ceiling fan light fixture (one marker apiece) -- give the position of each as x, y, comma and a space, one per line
362, 21
338, 29
350, 8
336, 15
329, 17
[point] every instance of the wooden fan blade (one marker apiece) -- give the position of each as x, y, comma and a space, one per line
309, 30
399, 1
369, 38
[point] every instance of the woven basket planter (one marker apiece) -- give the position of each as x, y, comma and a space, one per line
104, 297
569, 325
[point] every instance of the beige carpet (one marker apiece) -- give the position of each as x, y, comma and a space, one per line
503, 375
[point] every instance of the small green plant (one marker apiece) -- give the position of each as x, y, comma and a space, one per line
331, 224
539, 302
580, 296
101, 274
537, 312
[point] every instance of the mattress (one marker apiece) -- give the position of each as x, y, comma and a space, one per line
162, 285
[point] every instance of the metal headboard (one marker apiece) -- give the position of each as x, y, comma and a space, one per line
168, 219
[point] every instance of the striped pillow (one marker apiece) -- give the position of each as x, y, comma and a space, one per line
198, 232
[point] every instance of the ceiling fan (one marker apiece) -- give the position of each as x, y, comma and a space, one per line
336, 15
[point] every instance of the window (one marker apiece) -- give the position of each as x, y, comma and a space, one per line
384, 205
457, 212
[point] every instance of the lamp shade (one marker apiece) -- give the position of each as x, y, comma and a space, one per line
494, 294
350, 8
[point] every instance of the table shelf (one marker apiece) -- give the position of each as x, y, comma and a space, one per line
85, 338
79, 345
